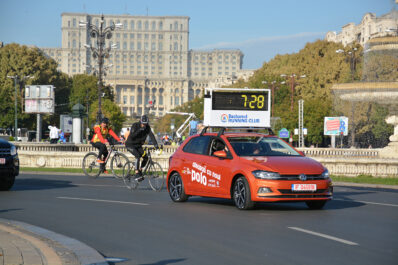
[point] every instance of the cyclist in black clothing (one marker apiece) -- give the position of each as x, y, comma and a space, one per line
138, 133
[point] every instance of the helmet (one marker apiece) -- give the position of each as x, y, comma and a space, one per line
144, 119
105, 120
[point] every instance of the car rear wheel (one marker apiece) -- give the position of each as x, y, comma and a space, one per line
176, 188
242, 195
316, 205
7, 182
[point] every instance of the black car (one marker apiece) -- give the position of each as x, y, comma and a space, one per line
9, 164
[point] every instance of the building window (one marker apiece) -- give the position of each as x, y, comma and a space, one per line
146, 24
160, 25
131, 99
124, 99
139, 24
153, 25
132, 24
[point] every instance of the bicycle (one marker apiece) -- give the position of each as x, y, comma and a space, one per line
92, 168
152, 171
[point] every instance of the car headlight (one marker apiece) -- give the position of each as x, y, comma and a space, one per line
13, 150
261, 174
325, 174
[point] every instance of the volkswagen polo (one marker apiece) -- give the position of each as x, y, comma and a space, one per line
247, 167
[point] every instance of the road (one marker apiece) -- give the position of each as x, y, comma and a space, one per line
145, 227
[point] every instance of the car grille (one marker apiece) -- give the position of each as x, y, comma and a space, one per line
5, 152
296, 177
301, 196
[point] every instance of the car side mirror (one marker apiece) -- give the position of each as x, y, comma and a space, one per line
221, 154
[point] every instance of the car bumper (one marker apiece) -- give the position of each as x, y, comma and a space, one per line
282, 191
11, 166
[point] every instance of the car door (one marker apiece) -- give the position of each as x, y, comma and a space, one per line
194, 164
218, 170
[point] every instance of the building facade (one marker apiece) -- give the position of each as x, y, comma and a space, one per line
369, 28
151, 62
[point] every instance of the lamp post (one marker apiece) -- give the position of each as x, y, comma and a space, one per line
16, 81
350, 55
100, 52
273, 88
293, 79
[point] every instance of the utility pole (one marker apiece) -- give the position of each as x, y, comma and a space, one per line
301, 122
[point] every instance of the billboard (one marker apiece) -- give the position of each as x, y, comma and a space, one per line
66, 124
335, 126
39, 99
237, 107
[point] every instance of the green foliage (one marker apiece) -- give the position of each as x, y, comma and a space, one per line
110, 110
23, 61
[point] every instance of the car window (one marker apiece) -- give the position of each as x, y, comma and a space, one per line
261, 146
197, 145
217, 145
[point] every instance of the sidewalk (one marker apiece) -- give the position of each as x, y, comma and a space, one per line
22, 243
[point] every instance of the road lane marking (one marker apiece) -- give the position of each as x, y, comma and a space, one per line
324, 236
375, 203
97, 200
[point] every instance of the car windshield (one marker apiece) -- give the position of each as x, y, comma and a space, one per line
261, 146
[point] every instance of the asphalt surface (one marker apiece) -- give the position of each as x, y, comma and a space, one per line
145, 227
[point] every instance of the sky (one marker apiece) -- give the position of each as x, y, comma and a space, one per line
261, 29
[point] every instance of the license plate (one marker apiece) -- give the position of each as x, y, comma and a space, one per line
304, 187
2, 161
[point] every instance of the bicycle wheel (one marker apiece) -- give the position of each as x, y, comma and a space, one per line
91, 167
117, 163
155, 176
129, 176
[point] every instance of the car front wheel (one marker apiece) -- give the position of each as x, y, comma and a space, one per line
176, 188
242, 195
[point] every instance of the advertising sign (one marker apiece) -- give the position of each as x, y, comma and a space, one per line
336, 126
66, 123
39, 99
237, 107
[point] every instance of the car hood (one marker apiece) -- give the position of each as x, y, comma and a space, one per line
4, 144
286, 165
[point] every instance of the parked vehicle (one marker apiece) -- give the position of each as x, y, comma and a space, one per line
9, 164
247, 168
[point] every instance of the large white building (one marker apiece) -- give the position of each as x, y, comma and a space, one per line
152, 60
369, 28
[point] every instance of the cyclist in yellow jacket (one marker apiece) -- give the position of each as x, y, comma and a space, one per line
99, 140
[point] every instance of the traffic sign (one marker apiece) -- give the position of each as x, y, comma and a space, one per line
284, 133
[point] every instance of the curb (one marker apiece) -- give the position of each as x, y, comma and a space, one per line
364, 185
60, 244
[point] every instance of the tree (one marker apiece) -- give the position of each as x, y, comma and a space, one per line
109, 110
23, 61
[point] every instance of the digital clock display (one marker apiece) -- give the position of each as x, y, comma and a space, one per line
240, 100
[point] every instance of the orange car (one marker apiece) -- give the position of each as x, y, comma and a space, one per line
248, 168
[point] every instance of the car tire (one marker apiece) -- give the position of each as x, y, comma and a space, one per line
176, 188
316, 205
241, 194
7, 182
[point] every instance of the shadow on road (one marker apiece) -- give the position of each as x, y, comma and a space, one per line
165, 262
10, 210
280, 206
40, 184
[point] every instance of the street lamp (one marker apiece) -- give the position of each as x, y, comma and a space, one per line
350, 55
273, 88
100, 52
293, 79
16, 81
